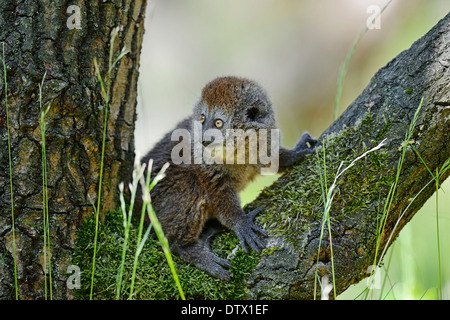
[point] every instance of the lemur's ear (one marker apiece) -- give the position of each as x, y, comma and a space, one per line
252, 113
256, 112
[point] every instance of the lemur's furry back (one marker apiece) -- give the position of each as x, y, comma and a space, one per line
193, 193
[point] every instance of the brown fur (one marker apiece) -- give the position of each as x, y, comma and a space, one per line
190, 195
225, 92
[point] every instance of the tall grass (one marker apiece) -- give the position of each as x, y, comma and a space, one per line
328, 194
327, 199
141, 241
437, 234
105, 85
381, 224
442, 170
127, 215
157, 226
10, 173
407, 142
105, 91
45, 213
436, 178
146, 185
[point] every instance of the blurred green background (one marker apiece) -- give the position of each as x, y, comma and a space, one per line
294, 49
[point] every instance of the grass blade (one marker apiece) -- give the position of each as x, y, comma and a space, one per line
10, 174
137, 174
140, 243
327, 198
45, 210
106, 97
158, 228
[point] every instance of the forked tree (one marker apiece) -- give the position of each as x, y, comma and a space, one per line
49, 61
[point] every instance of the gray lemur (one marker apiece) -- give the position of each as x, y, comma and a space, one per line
192, 194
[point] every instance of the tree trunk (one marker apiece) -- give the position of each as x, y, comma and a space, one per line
384, 110
43, 37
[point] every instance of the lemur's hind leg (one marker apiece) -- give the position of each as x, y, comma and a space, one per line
200, 255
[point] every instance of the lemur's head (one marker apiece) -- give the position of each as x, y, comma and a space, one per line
234, 103
235, 117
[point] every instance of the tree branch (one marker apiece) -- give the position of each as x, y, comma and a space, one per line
294, 203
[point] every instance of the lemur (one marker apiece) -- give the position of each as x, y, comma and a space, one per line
191, 194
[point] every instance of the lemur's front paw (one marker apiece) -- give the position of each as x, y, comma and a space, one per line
312, 142
306, 144
246, 229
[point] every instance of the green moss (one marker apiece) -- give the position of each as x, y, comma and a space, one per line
292, 204
153, 279
294, 201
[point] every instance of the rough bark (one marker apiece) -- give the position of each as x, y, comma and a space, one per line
384, 110
38, 40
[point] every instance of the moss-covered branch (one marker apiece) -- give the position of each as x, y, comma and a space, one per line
361, 205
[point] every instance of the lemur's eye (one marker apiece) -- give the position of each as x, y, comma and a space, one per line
218, 123
202, 118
